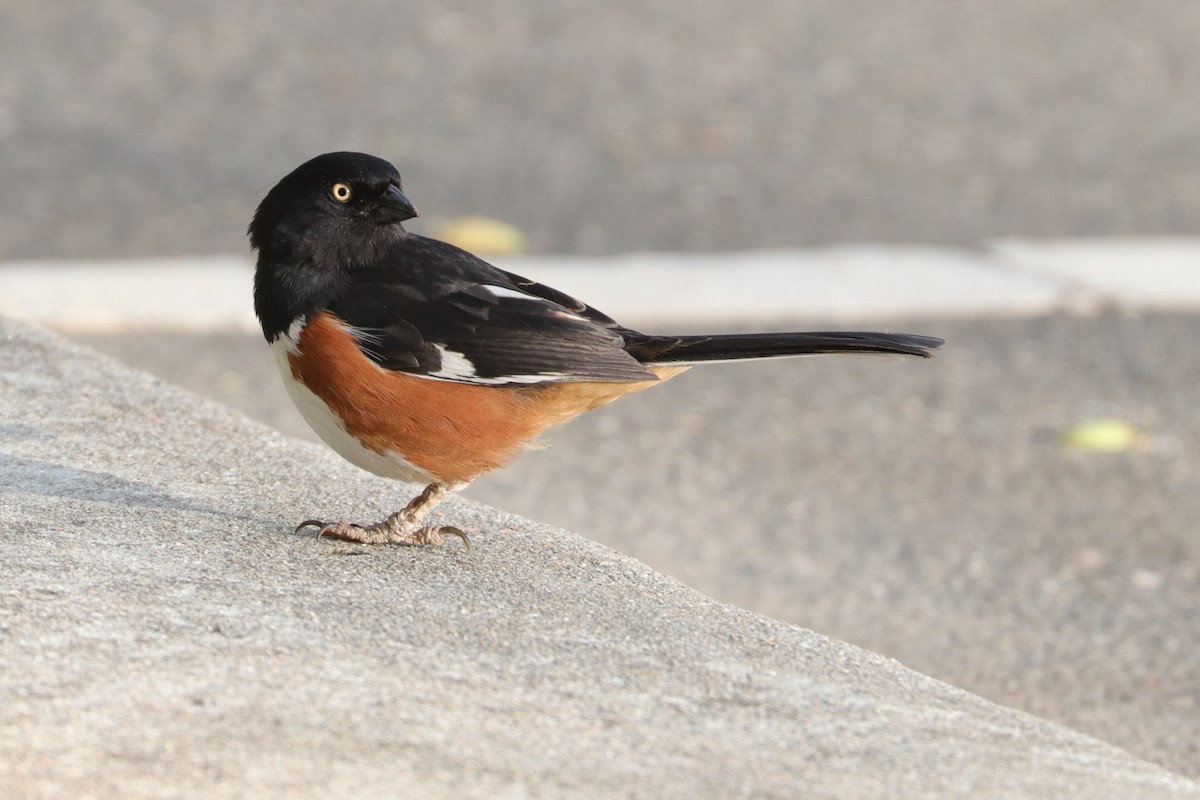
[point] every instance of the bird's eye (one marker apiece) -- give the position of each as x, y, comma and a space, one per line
341, 192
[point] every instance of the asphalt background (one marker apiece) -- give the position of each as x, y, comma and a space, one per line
140, 128
924, 510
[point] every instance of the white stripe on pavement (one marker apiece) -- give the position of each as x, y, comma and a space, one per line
1012, 277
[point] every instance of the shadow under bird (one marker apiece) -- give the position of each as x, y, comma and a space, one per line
418, 361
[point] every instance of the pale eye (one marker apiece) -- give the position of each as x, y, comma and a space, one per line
341, 192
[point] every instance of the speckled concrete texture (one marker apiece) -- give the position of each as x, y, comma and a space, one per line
164, 630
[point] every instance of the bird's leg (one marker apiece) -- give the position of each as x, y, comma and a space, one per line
403, 527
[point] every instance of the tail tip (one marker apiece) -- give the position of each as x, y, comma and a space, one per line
927, 346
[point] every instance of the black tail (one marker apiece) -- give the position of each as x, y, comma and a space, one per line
730, 347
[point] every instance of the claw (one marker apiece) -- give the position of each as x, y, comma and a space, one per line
450, 529
383, 532
325, 527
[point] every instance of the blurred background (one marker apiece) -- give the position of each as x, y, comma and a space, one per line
951, 514
137, 128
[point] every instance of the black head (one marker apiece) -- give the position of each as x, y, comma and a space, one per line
328, 216
345, 199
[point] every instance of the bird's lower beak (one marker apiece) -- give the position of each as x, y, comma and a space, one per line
393, 206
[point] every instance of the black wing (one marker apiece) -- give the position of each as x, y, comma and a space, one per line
438, 311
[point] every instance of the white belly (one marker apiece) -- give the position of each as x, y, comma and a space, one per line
333, 433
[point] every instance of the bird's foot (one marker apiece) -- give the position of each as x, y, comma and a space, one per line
400, 528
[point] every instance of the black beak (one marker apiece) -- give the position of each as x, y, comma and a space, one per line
393, 206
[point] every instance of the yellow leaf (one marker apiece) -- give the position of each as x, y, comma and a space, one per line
1103, 436
482, 235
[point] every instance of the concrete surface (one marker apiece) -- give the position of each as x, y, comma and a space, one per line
163, 630
925, 510
1158, 274
136, 128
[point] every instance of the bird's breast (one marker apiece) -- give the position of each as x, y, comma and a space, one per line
416, 428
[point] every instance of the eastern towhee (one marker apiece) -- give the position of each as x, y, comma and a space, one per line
418, 361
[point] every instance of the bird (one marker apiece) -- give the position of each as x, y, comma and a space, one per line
418, 361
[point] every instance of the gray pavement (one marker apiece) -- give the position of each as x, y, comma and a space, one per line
138, 128
925, 510
165, 634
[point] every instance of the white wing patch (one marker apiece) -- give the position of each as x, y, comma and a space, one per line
514, 294
457, 367
500, 292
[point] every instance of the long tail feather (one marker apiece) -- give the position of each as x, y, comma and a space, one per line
731, 347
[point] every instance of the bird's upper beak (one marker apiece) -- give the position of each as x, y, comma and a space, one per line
393, 206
